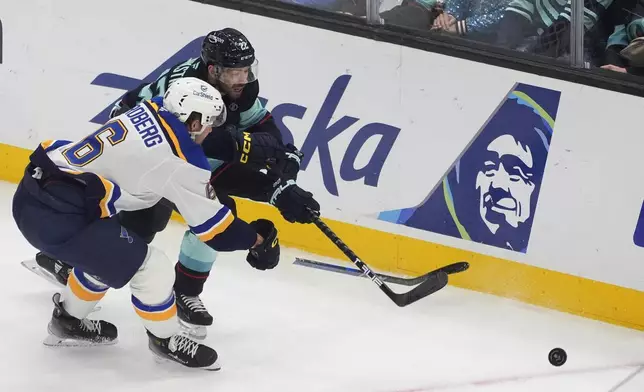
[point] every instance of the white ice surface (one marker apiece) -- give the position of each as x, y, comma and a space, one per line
300, 329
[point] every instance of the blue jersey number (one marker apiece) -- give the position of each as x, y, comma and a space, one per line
91, 147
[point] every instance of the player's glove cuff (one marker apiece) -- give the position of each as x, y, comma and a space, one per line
292, 162
294, 202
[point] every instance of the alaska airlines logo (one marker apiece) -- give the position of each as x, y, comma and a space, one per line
318, 137
490, 193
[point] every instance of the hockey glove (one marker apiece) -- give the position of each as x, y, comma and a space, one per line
259, 150
267, 254
294, 202
290, 166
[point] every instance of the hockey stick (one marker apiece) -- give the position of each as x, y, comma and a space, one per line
433, 282
448, 269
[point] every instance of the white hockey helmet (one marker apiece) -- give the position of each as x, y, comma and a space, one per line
192, 95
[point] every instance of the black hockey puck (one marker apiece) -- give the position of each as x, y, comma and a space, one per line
557, 356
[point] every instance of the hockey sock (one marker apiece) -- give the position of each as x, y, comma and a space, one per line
188, 281
160, 319
195, 255
82, 293
152, 295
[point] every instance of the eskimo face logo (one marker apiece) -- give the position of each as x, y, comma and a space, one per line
505, 183
490, 193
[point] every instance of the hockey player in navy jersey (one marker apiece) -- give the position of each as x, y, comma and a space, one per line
68, 202
228, 63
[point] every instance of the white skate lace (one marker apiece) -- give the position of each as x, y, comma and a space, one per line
194, 303
91, 325
183, 344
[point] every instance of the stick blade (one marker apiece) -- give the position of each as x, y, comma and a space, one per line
434, 282
456, 267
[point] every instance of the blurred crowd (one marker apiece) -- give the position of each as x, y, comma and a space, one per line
613, 29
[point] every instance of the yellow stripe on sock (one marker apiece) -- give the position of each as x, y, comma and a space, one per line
157, 316
81, 291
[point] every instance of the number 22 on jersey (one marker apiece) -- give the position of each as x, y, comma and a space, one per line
91, 147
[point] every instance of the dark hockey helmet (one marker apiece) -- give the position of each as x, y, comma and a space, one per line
229, 50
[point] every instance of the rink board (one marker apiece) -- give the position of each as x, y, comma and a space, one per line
396, 144
408, 256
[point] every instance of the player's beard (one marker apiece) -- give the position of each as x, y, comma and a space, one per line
235, 91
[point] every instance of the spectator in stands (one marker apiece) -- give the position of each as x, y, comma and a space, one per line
543, 26
412, 14
625, 48
474, 19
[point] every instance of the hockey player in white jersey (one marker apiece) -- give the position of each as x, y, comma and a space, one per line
237, 151
67, 201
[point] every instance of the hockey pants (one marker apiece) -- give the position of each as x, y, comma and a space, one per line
52, 217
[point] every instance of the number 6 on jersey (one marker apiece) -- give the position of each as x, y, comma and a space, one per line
91, 147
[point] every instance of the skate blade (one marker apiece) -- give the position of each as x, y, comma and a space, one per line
161, 360
32, 266
198, 332
56, 341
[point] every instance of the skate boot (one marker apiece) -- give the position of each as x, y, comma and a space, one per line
184, 350
193, 315
49, 268
66, 330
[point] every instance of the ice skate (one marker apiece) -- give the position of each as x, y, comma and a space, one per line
182, 349
53, 270
66, 330
193, 315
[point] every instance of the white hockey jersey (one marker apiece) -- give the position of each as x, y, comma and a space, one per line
144, 155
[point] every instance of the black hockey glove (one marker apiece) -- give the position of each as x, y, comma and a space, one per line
267, 254
287, 168
290, 166
259, 150
294, 202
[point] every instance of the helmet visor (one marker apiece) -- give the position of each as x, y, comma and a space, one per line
238, 76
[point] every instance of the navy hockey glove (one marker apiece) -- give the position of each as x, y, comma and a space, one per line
294, 202
259, 150
267, 254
